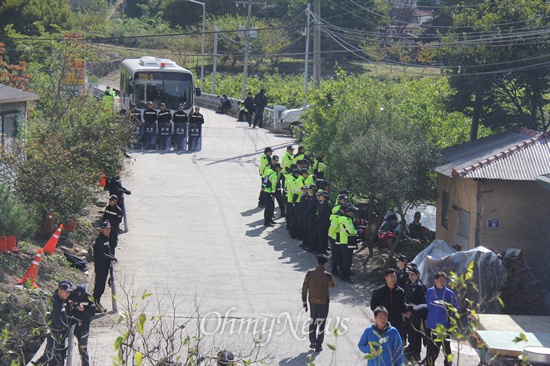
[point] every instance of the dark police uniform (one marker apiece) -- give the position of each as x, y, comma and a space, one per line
79, 297
196, 120
164, 129
113, 214
322, 225
415, 299
102, 263
180, 120
149, 128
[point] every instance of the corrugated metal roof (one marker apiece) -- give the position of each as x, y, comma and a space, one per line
514, 155
13, 95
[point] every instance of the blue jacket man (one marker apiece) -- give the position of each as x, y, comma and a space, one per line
382, 337
437, 298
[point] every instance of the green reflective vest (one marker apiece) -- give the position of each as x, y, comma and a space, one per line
346, 228
297, 158
270, 180
264, 162
287, 161
333, 229
297, 188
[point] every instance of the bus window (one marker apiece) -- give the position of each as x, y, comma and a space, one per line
178, 89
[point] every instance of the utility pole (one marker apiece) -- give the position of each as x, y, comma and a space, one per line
246, 50
306, 76
317, 45
215, 60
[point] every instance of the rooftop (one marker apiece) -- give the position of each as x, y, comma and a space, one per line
13, 95
514, 155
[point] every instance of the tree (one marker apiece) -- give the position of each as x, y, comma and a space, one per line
500, 63
29, 17
13, 75
68, 141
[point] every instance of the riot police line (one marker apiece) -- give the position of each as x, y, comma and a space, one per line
163, 131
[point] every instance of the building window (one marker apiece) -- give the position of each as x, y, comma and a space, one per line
445, 210
464, 229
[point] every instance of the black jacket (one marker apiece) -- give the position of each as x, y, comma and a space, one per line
164, 116
114, 186
79, 297
102, 251
180, 117
196, 118
402, 278
260, 100
323, 217
415, 293
113, 214
393, 300
150, 115
59, 322
249, 104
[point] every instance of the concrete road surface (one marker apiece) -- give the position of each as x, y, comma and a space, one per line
197, 237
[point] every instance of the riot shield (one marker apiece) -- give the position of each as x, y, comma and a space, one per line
137, 135
195, 137
149, 136
165, 132
180, 136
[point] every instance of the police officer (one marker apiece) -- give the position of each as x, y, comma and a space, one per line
149, 126
289, 204
287, 158
296, 193
59, 325
196, 120
249, 107
265, 161
180, 120
310, 236
113, 215
279, 189
323, 221
348, 241
334, 239
299, 155
415, 301
402, 275
83, 309
271, 177
102, 262
164, 128
114, 186
319, 168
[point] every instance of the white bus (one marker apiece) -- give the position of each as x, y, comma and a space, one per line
157, 80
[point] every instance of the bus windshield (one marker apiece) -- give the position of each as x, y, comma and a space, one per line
163, 87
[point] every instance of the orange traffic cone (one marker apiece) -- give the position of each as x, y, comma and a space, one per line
51, 244
32, 271
11, 244
3, 245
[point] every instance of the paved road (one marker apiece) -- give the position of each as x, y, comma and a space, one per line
197, 236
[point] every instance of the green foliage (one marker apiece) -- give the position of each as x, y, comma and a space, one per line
30, 17
21, 320
15, 218
479, 41
69, 141
280, 89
